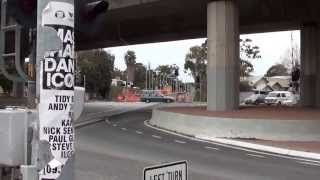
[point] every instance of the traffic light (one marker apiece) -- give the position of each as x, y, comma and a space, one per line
87, 12
176, 72
90, 11
89, 15
23, 11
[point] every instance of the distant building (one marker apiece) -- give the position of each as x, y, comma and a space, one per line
275, 83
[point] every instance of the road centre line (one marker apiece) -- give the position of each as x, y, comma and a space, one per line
139, 132
157, 137
256, 155
211, 148
124, 129
308, 163
180, 142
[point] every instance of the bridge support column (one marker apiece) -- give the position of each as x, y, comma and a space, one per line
223, 56
310, 66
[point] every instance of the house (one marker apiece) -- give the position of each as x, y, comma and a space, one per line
275, 83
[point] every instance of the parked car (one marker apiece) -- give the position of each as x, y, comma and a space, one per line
281, 98
155, 96
256, 98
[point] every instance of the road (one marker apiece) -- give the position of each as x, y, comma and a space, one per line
121, 148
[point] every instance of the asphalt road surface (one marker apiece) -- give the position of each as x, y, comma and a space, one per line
121, 148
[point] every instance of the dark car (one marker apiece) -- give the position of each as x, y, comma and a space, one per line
155, 96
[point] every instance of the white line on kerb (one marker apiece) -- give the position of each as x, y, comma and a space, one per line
139, 132
180, 142
123, 129
256, 155
157, 137
308, 163
212, 148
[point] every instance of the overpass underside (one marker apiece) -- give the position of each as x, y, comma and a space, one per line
145, 21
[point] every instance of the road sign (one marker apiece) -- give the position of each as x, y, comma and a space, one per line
170, 171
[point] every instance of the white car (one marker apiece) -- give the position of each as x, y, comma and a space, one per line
281, 98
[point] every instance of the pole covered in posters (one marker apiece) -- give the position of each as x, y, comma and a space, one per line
55, 88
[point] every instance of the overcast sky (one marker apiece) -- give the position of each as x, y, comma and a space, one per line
273, 47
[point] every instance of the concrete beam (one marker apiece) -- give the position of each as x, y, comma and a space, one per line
223, 56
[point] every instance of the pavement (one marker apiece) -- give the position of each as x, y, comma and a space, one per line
121, 147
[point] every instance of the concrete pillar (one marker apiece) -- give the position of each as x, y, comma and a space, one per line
223, 56
310, 65
317, 92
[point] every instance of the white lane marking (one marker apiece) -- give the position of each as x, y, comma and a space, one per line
308, 163
157, 137
180, 142
231, 146
139, 132
114, 125
107, 121
256, 155
212, 148
124, 129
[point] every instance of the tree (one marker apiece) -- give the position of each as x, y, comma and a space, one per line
140, 75
248, 52
5, 84
117, 73
130, 60
277, 70
97, 66
196, 62
168, 70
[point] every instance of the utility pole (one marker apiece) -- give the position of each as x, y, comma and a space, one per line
55, 45
146, 80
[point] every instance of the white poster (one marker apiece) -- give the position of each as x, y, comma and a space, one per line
57, 90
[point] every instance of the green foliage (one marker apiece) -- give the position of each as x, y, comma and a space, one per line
246, 68
140, 75
277, 70
5, 84
167, 70
130, 58
118, 73
196, 59
115, 92
97, 66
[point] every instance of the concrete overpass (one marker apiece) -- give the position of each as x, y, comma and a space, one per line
145, 21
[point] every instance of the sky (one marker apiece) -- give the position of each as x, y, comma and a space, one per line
273, 47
